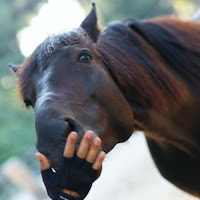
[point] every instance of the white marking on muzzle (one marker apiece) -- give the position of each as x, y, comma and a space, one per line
46, 92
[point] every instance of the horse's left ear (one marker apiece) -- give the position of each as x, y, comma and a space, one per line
14, 68
90, 24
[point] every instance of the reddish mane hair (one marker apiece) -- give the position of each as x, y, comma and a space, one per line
156, 59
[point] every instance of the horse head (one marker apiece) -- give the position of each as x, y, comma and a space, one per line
66, 82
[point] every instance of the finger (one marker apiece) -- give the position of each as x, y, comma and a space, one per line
100, 170
93, 150
70, 145
83, 148
44, 163
98, 162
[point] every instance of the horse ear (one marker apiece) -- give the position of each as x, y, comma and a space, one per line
14, 68
90, 24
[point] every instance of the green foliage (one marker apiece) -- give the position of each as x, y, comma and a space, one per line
16, 125
14, 15
122, 9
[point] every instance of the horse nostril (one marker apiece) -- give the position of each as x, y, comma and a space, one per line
69, 128
73, 125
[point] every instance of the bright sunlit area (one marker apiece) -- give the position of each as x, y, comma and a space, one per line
53, 17
129, 172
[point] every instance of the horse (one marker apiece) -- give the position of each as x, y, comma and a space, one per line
132, 75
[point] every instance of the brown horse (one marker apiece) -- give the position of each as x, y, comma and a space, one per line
91, 79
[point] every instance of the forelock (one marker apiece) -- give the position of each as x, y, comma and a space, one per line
46, 48
55, 42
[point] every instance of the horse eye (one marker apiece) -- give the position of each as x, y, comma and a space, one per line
85, 57
28, 103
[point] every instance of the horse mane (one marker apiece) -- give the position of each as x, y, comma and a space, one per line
156, 59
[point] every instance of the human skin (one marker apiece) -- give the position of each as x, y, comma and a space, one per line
85, 151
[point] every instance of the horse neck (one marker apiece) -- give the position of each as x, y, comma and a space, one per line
140, 72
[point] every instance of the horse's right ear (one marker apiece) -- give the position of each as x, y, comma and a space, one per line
14, 68
89, 24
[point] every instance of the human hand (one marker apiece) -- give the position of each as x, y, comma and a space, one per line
86, 164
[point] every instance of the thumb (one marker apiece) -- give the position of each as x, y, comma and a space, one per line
44, 163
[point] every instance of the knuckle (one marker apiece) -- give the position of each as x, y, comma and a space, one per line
71, 141
81, 154
95, 146
90, 159
95, 166
98, 162
68, 154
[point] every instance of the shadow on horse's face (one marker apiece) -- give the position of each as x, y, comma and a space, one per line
74, 92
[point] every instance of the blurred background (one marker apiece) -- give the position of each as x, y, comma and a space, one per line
128, 172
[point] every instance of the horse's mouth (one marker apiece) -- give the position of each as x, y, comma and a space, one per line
56, 156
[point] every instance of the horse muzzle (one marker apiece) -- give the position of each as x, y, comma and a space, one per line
52, 134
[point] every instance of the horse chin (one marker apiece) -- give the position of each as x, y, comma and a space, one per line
107, 147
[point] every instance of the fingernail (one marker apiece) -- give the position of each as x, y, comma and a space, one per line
96, 141
103, 154
36, 155
73, 136
89, 135
37, 158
